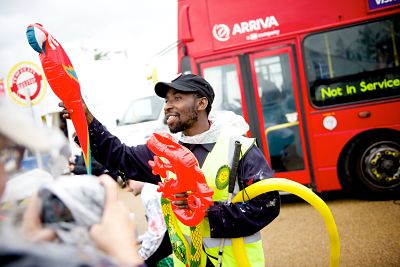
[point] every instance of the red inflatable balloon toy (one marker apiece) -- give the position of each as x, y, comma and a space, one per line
189, 178
63, 81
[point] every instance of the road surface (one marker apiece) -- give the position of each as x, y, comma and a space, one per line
369, 232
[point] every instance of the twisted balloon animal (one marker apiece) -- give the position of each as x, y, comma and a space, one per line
173, 157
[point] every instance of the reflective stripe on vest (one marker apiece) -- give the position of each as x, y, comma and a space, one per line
215, 242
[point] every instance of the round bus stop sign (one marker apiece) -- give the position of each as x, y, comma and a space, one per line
26, 84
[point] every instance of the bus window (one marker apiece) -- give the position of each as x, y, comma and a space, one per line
224, 80
281, 126
353, 64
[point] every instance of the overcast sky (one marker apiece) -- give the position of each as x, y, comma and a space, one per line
140, 28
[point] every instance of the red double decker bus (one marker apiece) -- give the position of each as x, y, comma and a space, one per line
317, 81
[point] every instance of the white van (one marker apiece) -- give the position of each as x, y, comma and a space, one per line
142, 117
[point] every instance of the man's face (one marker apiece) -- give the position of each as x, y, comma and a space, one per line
180, 110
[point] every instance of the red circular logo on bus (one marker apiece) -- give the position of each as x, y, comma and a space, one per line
26, 84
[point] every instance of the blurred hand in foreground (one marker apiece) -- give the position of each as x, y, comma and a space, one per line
115, 233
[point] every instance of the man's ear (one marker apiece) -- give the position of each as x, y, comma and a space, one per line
202, 103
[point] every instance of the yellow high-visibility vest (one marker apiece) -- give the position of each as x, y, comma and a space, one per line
216, 170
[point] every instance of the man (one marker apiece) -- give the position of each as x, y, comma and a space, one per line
188, 100
110, 235
155, 245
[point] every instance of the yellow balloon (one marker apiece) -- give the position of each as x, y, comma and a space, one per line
281, 184
240, 252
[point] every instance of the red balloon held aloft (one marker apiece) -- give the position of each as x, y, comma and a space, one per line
63, 81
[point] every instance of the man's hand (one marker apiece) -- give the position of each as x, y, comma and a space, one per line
66, 113
181, 201
71, 167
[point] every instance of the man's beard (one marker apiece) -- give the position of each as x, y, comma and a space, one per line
184, 125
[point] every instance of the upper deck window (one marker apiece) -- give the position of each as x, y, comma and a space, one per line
352, 64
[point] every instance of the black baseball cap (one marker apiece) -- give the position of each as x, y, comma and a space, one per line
187, 83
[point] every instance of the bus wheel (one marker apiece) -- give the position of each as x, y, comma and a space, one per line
373, 164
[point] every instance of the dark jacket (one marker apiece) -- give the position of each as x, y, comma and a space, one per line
97, 168
226, 221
